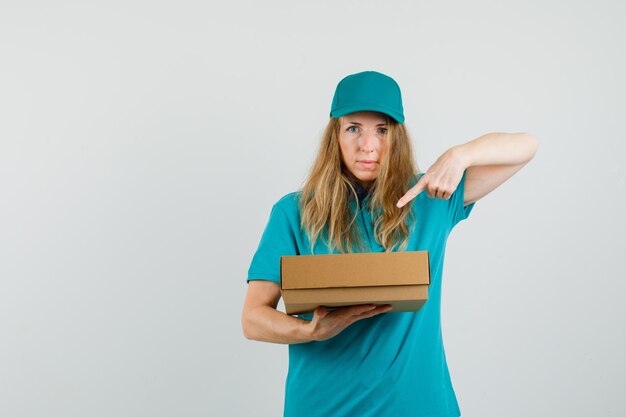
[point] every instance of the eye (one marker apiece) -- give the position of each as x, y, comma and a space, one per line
352, 129
383, 130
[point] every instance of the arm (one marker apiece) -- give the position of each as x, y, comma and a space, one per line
489, 160
261, 321
492, 159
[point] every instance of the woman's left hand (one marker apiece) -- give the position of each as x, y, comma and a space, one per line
441, 179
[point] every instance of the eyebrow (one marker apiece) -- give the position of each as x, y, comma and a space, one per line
357, 123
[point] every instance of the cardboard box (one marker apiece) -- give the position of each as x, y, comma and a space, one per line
397, 278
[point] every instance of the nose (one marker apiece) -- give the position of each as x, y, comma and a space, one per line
367, 141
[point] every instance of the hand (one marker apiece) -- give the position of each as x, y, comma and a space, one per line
326, 324
440, 180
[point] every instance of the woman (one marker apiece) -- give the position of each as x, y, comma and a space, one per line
364, 360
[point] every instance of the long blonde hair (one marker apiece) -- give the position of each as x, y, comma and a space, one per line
326, 193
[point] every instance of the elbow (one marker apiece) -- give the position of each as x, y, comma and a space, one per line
248, 335
245, 331
247, 328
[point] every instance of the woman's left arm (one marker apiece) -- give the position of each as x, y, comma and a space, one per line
492, 159
489, 160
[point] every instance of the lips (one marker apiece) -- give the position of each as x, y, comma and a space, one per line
367, 164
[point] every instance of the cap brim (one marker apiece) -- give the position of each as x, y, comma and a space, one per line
342, 111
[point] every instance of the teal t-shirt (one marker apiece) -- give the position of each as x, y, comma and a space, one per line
392, 364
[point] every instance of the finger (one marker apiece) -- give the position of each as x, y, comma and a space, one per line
348, 312
444, 192
412, 193
380, 309
360, 309
321, 312
376, 311
447, 195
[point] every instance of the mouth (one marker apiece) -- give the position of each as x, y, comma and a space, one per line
367, 163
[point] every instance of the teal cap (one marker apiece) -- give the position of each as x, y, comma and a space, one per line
368, 90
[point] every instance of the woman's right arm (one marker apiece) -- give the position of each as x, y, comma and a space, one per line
261, 321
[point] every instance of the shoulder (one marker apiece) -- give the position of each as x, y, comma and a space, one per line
289, 203
289, 200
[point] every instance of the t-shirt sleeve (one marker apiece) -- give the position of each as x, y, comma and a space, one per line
277, 240
457, 210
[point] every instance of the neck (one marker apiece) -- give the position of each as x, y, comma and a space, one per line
362, 189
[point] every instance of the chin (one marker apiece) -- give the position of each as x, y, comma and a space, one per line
366, 178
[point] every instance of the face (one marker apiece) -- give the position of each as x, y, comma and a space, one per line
362, 139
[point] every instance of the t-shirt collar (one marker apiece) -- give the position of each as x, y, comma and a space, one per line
360, 191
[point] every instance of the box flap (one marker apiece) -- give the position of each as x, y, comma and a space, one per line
354, 270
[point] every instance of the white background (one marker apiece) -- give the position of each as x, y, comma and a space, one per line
142, 145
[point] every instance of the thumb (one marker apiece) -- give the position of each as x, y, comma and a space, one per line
413, 192
321, 312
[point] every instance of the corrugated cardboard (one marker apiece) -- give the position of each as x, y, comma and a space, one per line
397, 278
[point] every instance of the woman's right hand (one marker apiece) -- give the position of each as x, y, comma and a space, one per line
261, 321
328, 323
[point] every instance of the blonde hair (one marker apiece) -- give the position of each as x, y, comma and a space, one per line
326, 193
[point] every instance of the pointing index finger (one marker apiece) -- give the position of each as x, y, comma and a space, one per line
412, 193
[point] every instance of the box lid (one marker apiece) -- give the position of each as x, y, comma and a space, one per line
354, 270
